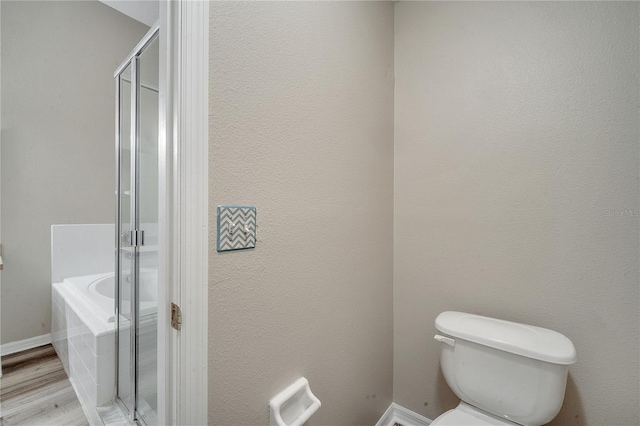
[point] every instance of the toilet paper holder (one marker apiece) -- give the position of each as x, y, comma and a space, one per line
294, 405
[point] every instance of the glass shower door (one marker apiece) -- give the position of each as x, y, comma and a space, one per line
126, 252
147, 206
137, 234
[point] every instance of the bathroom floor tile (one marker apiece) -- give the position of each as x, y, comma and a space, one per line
34, 389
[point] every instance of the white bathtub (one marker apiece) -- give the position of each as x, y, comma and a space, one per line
99, 292
83, 331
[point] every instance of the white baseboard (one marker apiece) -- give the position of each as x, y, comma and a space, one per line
398, 414
23, 345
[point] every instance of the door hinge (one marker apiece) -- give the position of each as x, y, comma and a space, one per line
176, 316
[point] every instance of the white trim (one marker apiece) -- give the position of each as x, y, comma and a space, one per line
23, 345
0, 202
187, 78
167, 404
398, 414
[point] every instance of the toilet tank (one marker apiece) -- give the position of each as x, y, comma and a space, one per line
514, 371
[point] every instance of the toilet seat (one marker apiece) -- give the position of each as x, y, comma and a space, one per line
467, 415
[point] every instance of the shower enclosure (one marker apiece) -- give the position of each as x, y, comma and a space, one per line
137, 231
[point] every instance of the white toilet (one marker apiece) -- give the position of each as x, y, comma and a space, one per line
505, 373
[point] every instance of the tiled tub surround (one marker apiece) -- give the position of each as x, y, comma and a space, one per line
81, 331
85, 342
84, 336
83, 313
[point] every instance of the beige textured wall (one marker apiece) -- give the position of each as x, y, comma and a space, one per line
301, 126
58, 60
516, 136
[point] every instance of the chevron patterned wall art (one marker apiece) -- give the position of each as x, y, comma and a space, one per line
236, 227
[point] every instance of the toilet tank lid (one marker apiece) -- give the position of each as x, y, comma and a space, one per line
520, 339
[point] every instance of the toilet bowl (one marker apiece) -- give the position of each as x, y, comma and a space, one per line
505, 373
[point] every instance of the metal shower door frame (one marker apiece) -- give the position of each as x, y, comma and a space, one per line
134, 189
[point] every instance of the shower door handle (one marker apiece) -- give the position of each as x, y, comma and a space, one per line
137, 238
134, 238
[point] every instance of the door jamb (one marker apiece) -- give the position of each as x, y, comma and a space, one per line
184, 215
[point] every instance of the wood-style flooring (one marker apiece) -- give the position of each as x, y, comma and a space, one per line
35, 390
